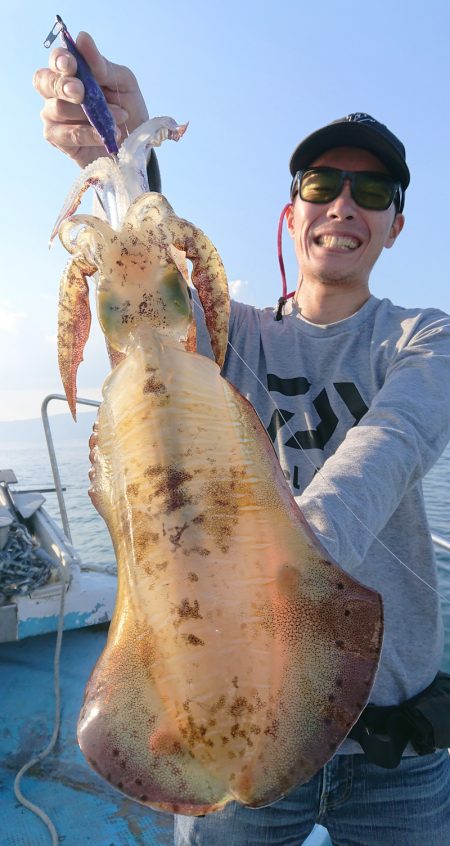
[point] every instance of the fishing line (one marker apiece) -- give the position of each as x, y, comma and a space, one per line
118, 97
330, 483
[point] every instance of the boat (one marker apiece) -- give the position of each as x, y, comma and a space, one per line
51, 635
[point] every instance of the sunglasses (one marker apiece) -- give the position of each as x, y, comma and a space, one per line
375, 191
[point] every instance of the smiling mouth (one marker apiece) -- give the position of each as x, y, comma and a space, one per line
337, 242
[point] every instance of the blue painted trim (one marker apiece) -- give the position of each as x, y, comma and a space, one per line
34, 626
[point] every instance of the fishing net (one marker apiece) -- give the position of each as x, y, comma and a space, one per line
24, 565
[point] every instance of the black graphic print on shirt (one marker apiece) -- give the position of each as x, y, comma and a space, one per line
317, 438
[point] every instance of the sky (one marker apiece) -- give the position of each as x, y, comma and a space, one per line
252, 79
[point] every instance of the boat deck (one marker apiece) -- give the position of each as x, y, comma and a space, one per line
83, 808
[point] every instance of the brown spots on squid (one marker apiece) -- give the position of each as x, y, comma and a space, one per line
188, 611
144, 539
133, 490
164, 743
176, 535
237, 731
199, 519
222, 512
194, 733
272, 730
193, 640
240, 706
169, 483
203, 551
218, 705
153, 386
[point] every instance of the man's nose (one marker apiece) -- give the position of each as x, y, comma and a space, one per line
343, 206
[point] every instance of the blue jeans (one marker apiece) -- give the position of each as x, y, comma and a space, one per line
359, 803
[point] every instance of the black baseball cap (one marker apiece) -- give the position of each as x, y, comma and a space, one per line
355, 130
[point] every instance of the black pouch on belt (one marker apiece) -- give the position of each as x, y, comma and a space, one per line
428, 716
423, 720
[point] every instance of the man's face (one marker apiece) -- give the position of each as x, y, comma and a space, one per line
339, 242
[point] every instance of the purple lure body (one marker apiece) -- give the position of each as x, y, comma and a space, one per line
94, 104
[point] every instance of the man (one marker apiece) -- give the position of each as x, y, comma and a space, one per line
355, 385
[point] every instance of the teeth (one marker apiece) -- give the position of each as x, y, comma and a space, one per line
342, 241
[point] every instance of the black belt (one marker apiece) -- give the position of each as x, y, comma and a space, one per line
424, 721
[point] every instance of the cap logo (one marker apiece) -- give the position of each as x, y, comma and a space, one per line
360, 117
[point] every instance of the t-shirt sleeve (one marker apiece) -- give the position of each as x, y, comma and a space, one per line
394, 445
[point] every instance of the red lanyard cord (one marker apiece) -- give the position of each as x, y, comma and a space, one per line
285, 296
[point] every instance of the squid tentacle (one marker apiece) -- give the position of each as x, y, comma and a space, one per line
74, 323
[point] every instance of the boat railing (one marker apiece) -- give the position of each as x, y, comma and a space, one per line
438, 540
52, 454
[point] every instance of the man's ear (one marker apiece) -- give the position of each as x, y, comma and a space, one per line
394, 232
290, 219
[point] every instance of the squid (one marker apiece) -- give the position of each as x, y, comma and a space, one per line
239, 654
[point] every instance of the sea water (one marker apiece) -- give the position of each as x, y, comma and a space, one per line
31, 465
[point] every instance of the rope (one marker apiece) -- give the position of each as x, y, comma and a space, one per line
57, 722
24, 566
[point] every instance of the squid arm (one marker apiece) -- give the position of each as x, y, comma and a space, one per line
119, 181
101, 175
74, 323
209, 279
158, 224
74, 315
179, 257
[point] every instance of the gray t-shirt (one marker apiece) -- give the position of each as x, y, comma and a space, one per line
367, 401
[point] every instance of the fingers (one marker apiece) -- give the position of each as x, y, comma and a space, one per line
59, 80
71, 137
50, 84
65, 123
66, 127
100, 67
58, 110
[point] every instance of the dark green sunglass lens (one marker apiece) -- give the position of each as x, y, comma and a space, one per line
369, 190
372, 192
320, 186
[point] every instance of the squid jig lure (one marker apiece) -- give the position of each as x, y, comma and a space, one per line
94, 104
